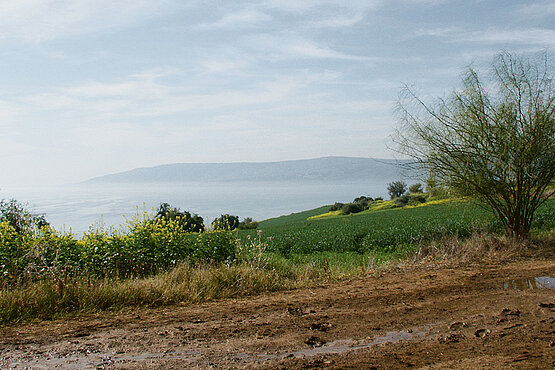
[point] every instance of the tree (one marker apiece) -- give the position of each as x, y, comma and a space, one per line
494, 141
248, 223
225, 222
21, 219
396, 189
191, 223
416, 188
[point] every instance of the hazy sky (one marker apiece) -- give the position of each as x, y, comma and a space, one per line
94, 87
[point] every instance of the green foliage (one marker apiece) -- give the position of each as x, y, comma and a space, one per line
150, 245
359, 204
353, 208
410, 200
225, 222
396, 189
336, 206
248, 224
22, 220
13, 247
191, 223
495, 142
251, 251
416, 188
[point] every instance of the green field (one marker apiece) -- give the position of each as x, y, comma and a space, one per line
382, 231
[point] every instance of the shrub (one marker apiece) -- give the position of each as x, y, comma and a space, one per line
396, 189
352, 208
410, 199
248, 224
364, 201
21, 220
13, 248
192, 223
416, 188
336, 207
225, 222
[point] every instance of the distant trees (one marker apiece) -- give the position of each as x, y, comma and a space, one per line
190, 223
494, 141
359, 204
396, 189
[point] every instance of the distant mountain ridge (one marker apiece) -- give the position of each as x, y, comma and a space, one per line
319, 169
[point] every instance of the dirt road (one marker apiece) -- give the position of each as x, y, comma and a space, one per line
492, 316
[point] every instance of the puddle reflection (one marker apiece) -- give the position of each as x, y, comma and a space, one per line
542, 282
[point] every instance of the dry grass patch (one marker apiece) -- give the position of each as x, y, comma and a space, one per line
482, 247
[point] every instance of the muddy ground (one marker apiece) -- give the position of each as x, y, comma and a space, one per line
488, 316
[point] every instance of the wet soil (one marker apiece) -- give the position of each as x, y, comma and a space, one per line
488, 316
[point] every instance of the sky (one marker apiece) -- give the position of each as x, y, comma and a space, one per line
89, 88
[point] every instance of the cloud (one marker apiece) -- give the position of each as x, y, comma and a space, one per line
223, 65
537, 10
8, 113
436, 32
288, 46
338, 21
535, 36
529, 36
45, 20
297, 6
242, 19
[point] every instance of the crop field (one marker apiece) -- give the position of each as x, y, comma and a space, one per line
384, 231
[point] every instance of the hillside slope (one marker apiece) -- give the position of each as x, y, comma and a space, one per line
320, 169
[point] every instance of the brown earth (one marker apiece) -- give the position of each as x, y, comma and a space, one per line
488, 316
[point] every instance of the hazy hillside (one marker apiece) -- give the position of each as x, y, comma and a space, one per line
320, 169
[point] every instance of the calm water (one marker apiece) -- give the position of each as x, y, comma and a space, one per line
77, 207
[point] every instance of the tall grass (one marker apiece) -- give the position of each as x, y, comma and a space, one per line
183, 284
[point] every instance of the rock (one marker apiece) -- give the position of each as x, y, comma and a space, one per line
451, 338
481, 333
315, 341
295, 311
321, 326
509, 312
457, 325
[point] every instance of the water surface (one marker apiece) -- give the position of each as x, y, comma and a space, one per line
76, 207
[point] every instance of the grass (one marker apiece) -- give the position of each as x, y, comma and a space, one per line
374, 231
184, 284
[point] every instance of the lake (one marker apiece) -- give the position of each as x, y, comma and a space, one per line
76, 207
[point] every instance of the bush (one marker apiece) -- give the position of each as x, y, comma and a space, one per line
248, 224
21, 220
192, 223
410, 200
396, 189
151, 245
364, 201
416, 188
225, 222
336, 207
352, 208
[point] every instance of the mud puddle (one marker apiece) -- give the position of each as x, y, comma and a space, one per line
542, 282
320, 347
105, 359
